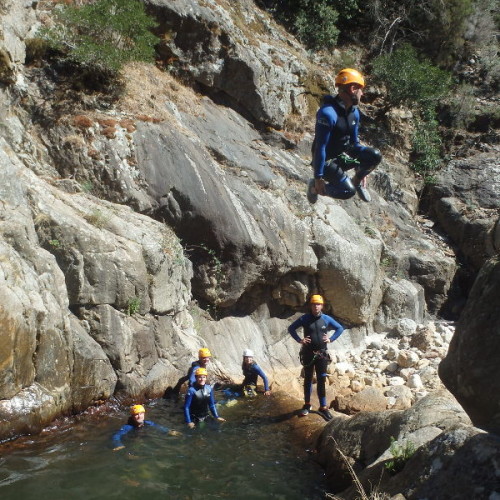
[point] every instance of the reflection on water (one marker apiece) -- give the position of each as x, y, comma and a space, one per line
249, 457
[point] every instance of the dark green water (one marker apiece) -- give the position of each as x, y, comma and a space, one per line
251, 456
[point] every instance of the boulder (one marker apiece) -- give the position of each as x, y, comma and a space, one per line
470, 369
465, 201
367, 400
364, 441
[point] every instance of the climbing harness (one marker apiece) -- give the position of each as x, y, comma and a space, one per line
249, 391
322, 354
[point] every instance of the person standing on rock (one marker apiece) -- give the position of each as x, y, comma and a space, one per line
251, 371
199, 400
135, 422
314, 351
336, 146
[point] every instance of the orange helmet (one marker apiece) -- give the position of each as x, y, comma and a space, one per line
136, 409
204, 352
316, 299
201, 371
349, 75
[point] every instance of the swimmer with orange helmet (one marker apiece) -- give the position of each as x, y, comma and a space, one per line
135, 422
200, 400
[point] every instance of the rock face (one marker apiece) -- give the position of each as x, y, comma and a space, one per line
470, 369
466, 203
225, 47
436, 427
136, 231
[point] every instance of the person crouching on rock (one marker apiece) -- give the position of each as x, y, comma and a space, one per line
251, 371
200, 400
313, 353
135, 422
204, 357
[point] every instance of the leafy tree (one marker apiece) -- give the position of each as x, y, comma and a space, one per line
419, 85
314, 22
104, 34
410, 80
436, 27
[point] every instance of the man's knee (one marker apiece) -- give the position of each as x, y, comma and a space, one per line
369, 158
376, 157
342, 190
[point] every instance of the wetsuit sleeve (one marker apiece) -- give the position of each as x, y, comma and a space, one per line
191, 375
187, 406
259, 372
326, 118
292, 329
336, 326
354, 139
157, 426
117, 436
212, 407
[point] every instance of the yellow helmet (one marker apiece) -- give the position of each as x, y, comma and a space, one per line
204, 352
136, 409
349, 75
316, 299
200, 371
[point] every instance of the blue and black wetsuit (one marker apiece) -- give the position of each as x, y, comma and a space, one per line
336, 132
251, 373
199, 400
117, 436
314, 356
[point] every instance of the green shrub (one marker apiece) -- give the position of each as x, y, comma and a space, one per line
316, 27
409, 80
400, 455
426, 143
314, 22
104, 34
133, 306
419, 85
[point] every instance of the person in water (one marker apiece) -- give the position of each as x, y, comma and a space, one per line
314, 354
204, 358
200, 400
135, 422
251, 371
336, 147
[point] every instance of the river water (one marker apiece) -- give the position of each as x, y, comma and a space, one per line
251, 456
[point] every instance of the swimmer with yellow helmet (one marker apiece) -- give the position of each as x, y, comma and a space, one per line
135, 422
200, 400
336, 146
314, 354
204, 358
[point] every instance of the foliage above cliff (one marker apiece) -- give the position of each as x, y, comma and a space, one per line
105, 34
